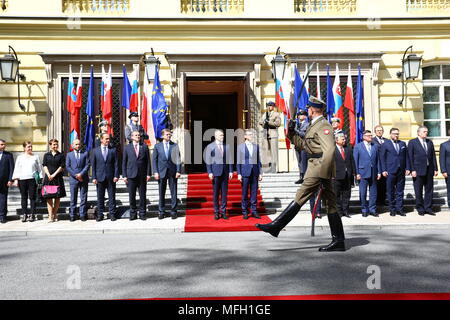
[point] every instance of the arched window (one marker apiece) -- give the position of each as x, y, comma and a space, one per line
436, 99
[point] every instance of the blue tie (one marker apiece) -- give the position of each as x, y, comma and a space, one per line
166, 149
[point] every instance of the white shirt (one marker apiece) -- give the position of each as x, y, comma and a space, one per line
1, 155
249, 146
26, 166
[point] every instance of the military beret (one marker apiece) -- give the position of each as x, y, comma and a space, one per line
316, 103
133, 114
270, 103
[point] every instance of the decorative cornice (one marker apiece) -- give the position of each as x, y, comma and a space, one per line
122, 58
212, 58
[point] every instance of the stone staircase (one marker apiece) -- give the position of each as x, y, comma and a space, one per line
277, 190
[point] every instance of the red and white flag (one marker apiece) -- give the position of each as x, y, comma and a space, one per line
349, 103
106, 98
146, 113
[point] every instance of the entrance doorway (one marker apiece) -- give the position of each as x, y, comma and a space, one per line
218, 104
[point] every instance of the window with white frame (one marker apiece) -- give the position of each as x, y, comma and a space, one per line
436, 100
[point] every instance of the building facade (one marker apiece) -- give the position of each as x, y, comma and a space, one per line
216, 60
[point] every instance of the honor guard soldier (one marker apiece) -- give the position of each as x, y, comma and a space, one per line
270, 123
318, 142
103, 128
135, 126
336, 123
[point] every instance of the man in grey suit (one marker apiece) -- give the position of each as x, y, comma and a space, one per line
77, 164
167, 167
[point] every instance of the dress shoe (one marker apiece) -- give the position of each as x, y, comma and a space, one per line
173, 215
143, 218
401, 213
365, 214
161, 216
72, 219
245, 216
347, 215
299, 181
256, 215
224, 216
392, 214
31, 218
216, 216
112, 218
99, 218
421, 213
133, 217
3, 220
374, 214
84, 218
431, 213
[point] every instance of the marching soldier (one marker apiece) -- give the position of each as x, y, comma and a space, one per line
318, 142
270, 123
135, 126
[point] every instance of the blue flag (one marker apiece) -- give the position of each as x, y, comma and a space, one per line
126, 90
159, 107
299, 104
359, 107
330, 97
90, 132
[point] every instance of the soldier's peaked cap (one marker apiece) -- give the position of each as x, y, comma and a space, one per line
316, 103
133, 114
103, 123
270, 103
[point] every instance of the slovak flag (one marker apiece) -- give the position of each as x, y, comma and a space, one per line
130, 92
74, 101
282, 99
146, 113
134, 99
106, 97
337, 94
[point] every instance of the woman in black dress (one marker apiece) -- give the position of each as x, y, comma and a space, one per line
54, 163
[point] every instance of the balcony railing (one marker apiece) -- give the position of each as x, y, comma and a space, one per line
3, 5
427, 5
324, 6
215, 7
96, 6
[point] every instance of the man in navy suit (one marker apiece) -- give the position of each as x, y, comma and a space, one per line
345, 174
423, 167
394, 166
249, 172
220, 169
368, 171
77, 164
6, 171
167, 167
105, 174
136, 172
444, 161
381, 184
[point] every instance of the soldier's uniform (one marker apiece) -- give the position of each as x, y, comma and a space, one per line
129, 128
270, 122
320, 145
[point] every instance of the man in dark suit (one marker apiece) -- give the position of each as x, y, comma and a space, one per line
381, 184
219, 165
444, 161
302, 157
368, 171
136, 171
105, 174
6, 171
423, 167
167, 167
77, 164
394, 166
345, 172
249, 169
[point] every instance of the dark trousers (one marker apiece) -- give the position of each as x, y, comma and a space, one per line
371, 205
421, 183
249, 183
381, 191
302, 159
109, 185
343, 190
28, 189
3, 199
447, 181
220, 186
162, 183
74, 187
395, 186
133, 185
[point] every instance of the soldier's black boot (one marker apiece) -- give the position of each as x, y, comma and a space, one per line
281, 221
337, 234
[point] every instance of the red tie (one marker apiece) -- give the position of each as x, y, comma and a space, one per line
342, 153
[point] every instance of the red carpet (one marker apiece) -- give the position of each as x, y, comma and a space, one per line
200, 207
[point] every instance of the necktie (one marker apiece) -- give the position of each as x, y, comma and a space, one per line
396, 146
368, 149
104, 153
221, 149
425, 146
77, 155
136, 150
342, 153
166, 147
250, 148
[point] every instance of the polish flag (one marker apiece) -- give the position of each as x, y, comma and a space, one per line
349, 103
106, 98
146, 113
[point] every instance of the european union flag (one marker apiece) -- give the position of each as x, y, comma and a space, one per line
359, 107
90, 133
299, 104
330, 97
159, 108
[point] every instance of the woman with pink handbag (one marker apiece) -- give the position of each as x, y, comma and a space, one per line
53, 189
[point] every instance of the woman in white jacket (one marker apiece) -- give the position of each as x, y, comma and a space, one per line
25, 170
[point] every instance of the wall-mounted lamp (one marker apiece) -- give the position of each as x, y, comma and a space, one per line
9, 69
278, 65
152, 64
410, 70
